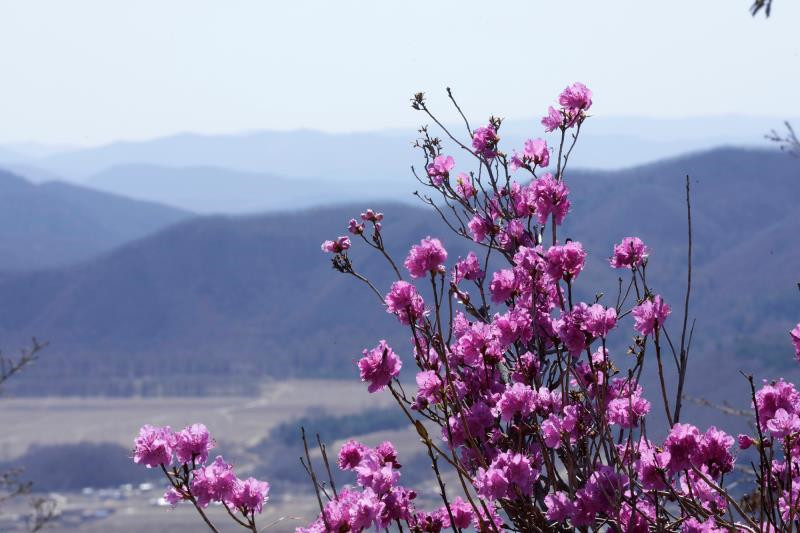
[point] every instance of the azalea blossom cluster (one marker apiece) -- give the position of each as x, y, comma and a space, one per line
183, 457
777, 440
537, 422
378, 501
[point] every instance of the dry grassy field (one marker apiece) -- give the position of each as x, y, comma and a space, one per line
242, 421
237, 422
137, 512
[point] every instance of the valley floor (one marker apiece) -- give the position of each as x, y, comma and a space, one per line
239, 421
238, 424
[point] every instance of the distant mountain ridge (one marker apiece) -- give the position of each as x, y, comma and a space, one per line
55, 224
300, 153
232, 298
608, 143
214, 190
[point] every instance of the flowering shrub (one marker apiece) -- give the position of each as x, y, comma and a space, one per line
183, 457
538, 425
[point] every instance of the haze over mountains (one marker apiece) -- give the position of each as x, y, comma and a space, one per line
257, 171
210, 190
226, 299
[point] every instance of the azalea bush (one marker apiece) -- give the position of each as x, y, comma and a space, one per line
529, 422
183, 458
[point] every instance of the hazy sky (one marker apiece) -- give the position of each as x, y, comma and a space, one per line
88, 72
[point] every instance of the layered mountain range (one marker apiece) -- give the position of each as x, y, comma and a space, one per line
218, 299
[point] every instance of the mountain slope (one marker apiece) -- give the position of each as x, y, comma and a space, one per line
212, 296
223, 298
745, 220
55, 224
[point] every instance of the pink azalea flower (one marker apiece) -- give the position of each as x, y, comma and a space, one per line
469, 269
214, 483
193, 444
351, 454
426, 257
536, 150
651, 466
509, 472
551, 430
630, 253
535, 153
565, 262
600, 320
552, 120
429, 386
571, 328
681, 444
517, 162
173, 497
693, 525
484, 140
404, 301
339, 245
628, 406
783, 424
713, 452
778, 395
560, 506
355, 227
518, 399
745, 441
502, 285
650, 314
464, 186
480, 227
462, 514
154, 446
439, 170
576, 97
551, 198
371, 216
379, 366
250, 495
388, 454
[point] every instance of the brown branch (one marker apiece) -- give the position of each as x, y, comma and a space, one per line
684, 354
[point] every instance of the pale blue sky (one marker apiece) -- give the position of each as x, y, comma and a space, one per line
89, 72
